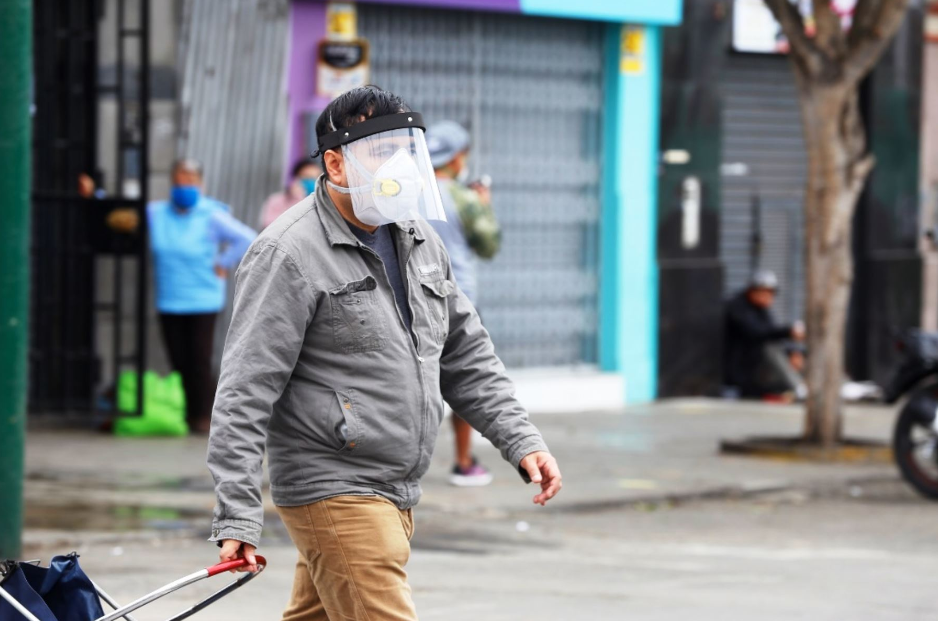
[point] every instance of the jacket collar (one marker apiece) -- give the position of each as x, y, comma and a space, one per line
337, 230
410, 227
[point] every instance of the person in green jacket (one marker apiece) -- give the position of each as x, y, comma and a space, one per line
470, 232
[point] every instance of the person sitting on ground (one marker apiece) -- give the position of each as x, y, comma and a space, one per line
756, 363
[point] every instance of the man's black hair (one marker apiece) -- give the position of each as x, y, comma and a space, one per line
356, 105
301, 164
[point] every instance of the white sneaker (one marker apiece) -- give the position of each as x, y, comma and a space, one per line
475, 475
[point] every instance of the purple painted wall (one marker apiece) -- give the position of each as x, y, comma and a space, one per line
307, 28
509, 6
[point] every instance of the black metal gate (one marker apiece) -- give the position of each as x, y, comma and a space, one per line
89, 283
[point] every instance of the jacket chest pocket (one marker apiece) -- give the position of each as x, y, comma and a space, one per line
437, 290
357, 325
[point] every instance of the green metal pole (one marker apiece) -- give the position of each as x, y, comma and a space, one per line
15, 75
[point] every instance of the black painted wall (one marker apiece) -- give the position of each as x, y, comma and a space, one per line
887, 286
691, 279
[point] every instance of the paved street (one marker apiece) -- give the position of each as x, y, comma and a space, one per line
653, 525
780, 556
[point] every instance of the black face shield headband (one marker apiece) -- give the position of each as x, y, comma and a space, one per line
368, 127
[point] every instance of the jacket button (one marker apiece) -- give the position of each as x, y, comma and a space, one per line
419, 359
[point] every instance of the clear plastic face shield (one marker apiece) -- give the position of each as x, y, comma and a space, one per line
390, 177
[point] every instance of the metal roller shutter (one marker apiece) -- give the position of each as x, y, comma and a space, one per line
762, 130
531, 92
232, 104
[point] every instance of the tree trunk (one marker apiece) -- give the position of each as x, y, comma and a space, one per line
829, 63
837, 169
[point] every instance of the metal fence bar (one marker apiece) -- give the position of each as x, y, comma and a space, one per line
143, 253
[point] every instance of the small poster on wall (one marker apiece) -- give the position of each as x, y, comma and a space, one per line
341, 21
341, 65
755, 29
632, 60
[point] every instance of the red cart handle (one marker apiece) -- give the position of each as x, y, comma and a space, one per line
238, 563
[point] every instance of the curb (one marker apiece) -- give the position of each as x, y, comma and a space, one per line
793, 449
725, 492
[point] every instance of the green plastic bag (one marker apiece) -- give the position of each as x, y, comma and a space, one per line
164, 406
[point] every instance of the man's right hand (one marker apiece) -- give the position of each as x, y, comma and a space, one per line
232, 549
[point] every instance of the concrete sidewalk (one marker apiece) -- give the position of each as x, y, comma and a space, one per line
85, 485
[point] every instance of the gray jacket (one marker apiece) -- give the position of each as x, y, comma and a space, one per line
319, 367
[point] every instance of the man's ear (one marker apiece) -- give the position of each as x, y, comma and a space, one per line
334, 165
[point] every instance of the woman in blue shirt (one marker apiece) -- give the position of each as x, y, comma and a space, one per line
195, 242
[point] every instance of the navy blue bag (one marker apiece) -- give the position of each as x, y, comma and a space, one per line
64, 588
15, 584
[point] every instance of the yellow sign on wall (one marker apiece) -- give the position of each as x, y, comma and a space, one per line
632, 52
341, 21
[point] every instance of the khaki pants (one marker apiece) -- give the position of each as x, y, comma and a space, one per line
352, 555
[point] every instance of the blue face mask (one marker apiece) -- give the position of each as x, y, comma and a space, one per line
309, 185
184, 196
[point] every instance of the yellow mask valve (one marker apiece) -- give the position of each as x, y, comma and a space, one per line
387, 187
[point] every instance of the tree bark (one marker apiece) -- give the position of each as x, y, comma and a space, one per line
837, 169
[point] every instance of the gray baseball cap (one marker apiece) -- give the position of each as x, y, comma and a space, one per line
764, 279
446, 140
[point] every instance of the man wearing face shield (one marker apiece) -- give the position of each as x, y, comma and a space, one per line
348, 332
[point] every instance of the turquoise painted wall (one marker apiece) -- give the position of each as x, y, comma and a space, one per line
656, 12
652, 12
629, 274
